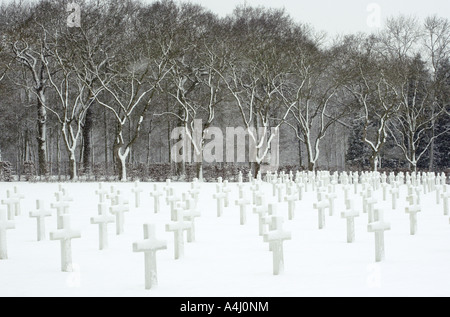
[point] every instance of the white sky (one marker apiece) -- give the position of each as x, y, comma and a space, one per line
339, 16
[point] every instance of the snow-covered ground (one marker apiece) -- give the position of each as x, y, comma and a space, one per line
228, 259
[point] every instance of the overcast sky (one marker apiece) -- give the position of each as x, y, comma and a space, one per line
340, 16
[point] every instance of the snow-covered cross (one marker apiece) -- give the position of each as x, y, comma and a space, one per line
149, 246
370, 203
178, 227
118, 210
280, 188
261, 211
40, 215
172, 200
350, 215
102, 221
412, 211
291, 205
137, 194
445, 197
156, 194
101, 192
220, 197
190, 214
331, 197
394, 193
320, 206
438, 189
62, 207
5, 225
226, 189
242, 203
65, 235
16, 198
379, 227
276, 239
168, 187
11, 203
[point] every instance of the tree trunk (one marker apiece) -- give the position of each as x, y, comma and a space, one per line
42, 134
87, 141
72, 166
199, 171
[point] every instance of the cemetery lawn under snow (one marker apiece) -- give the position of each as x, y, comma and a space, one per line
228, 259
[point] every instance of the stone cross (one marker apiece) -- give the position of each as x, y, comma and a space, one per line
280, 187
102, 221
137, 194
242, 203
194, 191
291, 205
445, 196
300, 188
331, 197
240, 178
149, 246
320, 206
5, 224
379, 228
156, 194
168, 186
178, 227
261, 211
190, 214
118, 210
172, 200
385, 187
220, 198
438, 189
412, 211
276, 239
370, 202
226, 189
62, 208
394, 192
12, 203
40, 215
350, 215
65, 235
101, 192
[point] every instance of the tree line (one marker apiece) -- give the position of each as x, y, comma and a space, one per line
117, 84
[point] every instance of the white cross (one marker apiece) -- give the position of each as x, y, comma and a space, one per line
102, 221
412, 211
291, 205
394, 192
62, 208
156, 194
137, 194
385, 186
65, 235
5, 224
445, 196
320, 206
172, 200
280, 188
276, 239
250, 177
168, 186
11, 204
370, 202
40, 215
300, 187
17, 197
438, 189
262, 212
190, 214
177, 228
149, 246
226, 189
240, 179
118, 210
378, 228
101, 192
331, 197
220, 198
242, 203
350, 215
